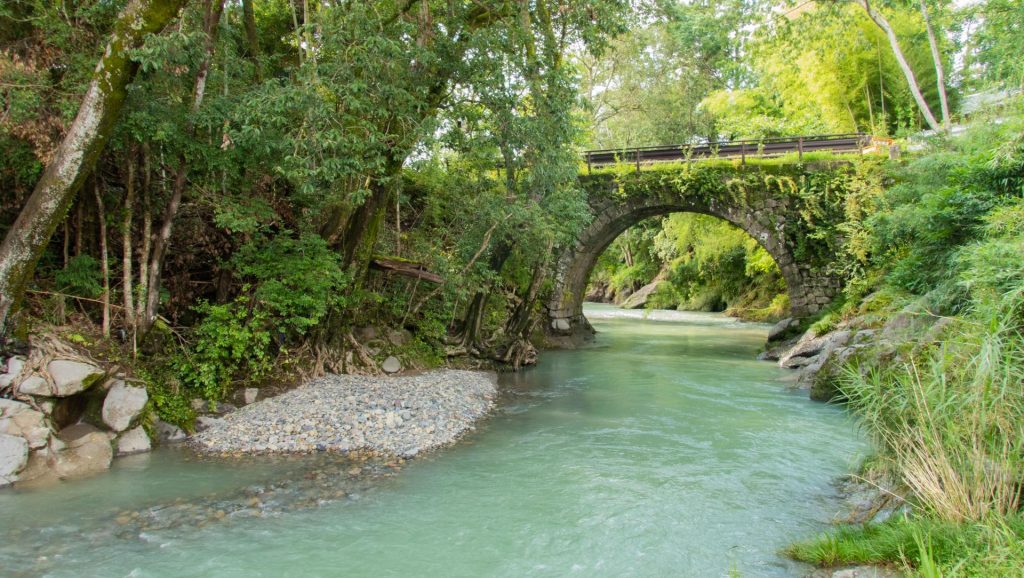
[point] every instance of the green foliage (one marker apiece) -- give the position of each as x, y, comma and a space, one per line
938, 203
231, 338
293, 283
995, 45
945, 415
171, 402
81, 277
923, 547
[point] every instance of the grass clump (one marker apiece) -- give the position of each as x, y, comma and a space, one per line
923, 546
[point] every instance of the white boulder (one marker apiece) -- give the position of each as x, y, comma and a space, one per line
19, 419
133, 441
122, 404
13, 458
68, 378
88, 452
14, 367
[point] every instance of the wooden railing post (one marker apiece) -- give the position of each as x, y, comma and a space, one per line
638, 159
800, 149
743, 153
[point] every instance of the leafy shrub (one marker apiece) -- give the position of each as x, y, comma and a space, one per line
294, 283
229, 339
81, 277
168, 399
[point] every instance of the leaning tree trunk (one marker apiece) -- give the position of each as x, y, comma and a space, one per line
894, 42
471, 337
77, 153
359, 232
940, 73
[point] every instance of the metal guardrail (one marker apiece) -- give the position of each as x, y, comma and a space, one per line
768, 147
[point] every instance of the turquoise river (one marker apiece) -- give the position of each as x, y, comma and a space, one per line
664, 449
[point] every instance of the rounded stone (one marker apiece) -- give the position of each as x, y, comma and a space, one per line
391, 365
123, 404
133, 441
13, 458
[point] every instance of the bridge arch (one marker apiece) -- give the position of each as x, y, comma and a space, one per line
760, 206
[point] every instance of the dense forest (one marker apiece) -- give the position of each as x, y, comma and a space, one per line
221, 193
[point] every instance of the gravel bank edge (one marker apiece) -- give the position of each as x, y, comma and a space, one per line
400, 415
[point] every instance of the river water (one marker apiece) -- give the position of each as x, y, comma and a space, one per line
664, 449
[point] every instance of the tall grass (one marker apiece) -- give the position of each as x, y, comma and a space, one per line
947, 417
949, 420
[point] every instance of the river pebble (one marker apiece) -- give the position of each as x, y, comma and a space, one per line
401, 416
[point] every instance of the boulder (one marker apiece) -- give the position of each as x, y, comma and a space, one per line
40, 469
133, 441
13, 458
863, 336
391, 365
35, 385
399, 337
906, 325
88, 452
73, 432
168, 433
824, 381
70, 377
20, 419
366, 333
223, 407
779, 330
123, 404
561, 325
639, 299
811, 346
13, 368
251, 394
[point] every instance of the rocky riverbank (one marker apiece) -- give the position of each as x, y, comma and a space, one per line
400, 416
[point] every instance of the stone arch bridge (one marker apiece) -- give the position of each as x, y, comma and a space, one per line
786, 206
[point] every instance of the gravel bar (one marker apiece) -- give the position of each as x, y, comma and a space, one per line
401, 416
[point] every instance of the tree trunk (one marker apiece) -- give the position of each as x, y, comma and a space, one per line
915, 88
79, 225
360, 230
253, 40
127, 280
213, 11
147, 233
77, 153
477, 307
520, 321
940, 73
101, 217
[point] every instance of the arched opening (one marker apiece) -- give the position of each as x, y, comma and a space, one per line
689, 262
577, 263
